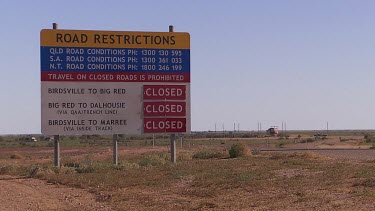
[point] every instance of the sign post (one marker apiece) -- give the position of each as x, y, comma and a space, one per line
56, 138
115, 155
173, 136
115, 82
56, 150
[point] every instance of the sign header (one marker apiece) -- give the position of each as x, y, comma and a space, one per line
115, 39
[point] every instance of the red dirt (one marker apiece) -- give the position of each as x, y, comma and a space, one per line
33, 194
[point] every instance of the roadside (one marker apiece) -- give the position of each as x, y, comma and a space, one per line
33, 194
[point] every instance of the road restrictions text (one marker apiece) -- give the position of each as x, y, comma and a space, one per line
90, 109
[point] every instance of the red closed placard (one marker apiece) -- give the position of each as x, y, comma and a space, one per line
164, 125
166, 108
164, 92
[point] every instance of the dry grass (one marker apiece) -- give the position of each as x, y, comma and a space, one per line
209, 154
16, 156
146, 180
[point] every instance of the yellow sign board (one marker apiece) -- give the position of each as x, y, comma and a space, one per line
114, 39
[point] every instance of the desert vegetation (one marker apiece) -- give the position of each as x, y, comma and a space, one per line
217, 174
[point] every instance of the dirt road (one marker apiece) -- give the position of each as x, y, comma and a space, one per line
33, 194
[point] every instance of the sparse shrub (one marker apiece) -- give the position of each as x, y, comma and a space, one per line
280, 144
33, 170
17, 156
344, 139
316, 138
369, 138
278, 156
14, 170
369, 182
132, 138
88, 167
6, 169
255, 151
73, 137
85, 169
184, 156
93, 137
126, 165
87, 160
208, 154
306, 155
71, 164
44, 171
309, 140
239, 150
153, 160
67, 170
83, 137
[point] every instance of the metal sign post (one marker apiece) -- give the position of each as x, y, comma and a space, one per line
173, 148
153, 140
173, 136
56, 138
56, 151
115, 155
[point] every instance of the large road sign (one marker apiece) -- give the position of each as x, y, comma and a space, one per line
107, 82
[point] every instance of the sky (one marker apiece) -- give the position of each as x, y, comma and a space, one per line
304, 63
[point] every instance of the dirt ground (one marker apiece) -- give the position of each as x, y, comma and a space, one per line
352, 149
32, 194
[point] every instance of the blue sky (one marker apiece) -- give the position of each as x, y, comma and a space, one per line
299, 62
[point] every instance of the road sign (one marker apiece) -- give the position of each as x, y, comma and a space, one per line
109, 82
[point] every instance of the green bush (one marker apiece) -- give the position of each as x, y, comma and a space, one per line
239, 150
